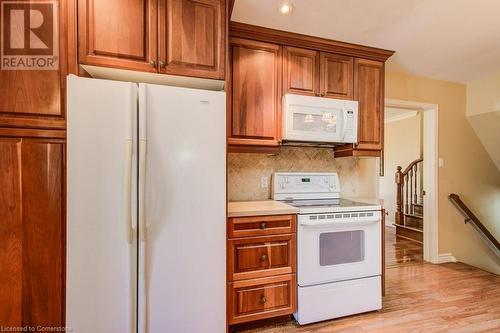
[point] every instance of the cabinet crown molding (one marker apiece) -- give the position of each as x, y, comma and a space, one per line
243, 30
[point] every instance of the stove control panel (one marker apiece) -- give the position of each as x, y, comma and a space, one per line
301, 185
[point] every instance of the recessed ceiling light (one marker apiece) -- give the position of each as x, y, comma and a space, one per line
286, 8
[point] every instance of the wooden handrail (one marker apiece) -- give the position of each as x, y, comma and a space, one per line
410, 166
470, 217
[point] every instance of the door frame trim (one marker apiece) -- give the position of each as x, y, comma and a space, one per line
430, 169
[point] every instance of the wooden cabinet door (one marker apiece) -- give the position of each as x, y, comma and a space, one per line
32, 98
118, 33
262, 298
193, 37
255, 93
31, 232
336, 73
369, 91
301, 71
256, 257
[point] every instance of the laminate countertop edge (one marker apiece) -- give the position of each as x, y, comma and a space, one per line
259, 208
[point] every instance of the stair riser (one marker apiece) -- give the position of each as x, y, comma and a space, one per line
414, 222
410, 234
418, 210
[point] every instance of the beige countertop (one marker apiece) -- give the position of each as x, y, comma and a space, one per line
258, 208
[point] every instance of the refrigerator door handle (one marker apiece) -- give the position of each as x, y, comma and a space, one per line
142, 189
127, 192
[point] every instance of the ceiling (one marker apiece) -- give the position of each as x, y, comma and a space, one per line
453, 40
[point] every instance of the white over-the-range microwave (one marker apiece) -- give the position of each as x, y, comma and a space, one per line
322, 120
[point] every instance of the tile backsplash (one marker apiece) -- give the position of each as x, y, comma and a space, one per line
358, 176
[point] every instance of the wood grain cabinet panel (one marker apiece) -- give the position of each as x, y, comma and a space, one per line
192, 37
261, 256
300, 74
261, 298
336, 76
31, 232
118, 33
255, 93
252, 226
36, 98
369, 91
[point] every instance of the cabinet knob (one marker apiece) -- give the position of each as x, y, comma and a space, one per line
323, 94
263, 299
152, 63
162, 64
263, 225
263, 257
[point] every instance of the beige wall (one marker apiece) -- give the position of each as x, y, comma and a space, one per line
468, 169
483, 112
357, 175
483, 95
401, 147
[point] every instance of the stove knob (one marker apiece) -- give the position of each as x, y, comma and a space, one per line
287, 180
282, 185
326, 179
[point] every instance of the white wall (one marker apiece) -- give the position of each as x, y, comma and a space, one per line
402, 145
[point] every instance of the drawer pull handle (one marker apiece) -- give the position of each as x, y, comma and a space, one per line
263, 299
263, 257
263, 225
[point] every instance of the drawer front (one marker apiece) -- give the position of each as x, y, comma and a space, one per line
261, 225
262, 298
255, 257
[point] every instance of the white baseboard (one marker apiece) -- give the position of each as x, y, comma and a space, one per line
389, 223
446, 257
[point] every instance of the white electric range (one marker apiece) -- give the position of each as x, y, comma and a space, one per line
339, 247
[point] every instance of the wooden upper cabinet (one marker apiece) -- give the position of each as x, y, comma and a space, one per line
314, 73
369, 91
36, 99
32, 237
255, 93
192, 37
300, 74
118, 33
336, 79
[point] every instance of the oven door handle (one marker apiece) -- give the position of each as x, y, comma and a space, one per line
340, 223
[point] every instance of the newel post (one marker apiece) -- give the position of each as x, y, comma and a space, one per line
399, 196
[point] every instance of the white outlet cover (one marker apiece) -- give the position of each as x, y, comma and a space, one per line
264, 182
441, 162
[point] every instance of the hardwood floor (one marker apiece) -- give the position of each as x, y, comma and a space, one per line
422, 297
399, 251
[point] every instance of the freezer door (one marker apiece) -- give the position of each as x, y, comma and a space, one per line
101, 285
185, 182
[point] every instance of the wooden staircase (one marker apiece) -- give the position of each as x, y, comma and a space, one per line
409, 214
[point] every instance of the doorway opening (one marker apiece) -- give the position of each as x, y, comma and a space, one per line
409, 182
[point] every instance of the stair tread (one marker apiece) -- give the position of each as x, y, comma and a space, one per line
418, 204
407, 227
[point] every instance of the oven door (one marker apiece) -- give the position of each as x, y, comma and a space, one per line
337, 250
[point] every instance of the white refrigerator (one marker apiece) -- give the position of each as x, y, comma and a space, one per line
146, 204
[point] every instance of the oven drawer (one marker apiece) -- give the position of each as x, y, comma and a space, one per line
256, 257
261, 225
261, 298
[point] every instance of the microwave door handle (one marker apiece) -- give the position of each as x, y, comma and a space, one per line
344, 127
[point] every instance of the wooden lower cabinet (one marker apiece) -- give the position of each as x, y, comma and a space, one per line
261, 267
261, 256
32, 232
250, 226
261, 298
